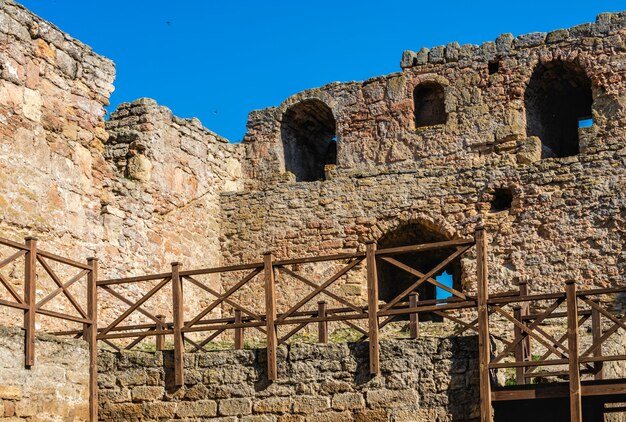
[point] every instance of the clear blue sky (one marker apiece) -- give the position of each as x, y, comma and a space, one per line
218, 60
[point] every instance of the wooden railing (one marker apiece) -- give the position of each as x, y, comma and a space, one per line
268, 298
274, 325
37, 265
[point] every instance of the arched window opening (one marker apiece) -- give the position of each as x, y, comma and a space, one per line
308, 133
429, 105
558, 102
392, 280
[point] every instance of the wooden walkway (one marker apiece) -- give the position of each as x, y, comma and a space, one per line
538, 336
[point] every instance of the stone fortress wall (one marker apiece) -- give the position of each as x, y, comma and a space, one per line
428, 379
138, 193
459, 138
463, 136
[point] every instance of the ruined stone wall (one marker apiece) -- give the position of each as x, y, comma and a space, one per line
486, 115
428, 379
567, 215
138, 194
56, 388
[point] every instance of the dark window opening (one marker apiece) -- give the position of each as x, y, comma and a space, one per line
308, 133
493, 67
558, 98
429, 103
502, 200
392, 280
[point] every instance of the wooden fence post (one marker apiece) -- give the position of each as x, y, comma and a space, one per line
322, 326
414, 328
575, 401
372, 307
596, 333
270, 316
179, 320
160, 338
484, 344
30, 297
90, 335
525, 310
520, 356
238, 330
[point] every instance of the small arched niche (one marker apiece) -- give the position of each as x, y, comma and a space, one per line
558, 98
308, 133
392, 280
429, 104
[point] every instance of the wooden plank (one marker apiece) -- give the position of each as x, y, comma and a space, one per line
14, 305
525, 310
287, 336
561, 339
179, 318
223, 297
530, 298
322, 326
64, 287
228, 269
372, 308
323, 258
420, 274
484, 344
6, 282
160, 339
238, 331
226, 300
91, 332
530, 363
13, 244
11, 289
66, 317
519, 354
425, 247
58, 282
559, 390
443, 264
130, 303
137, 279
422, 309
575, 398
63, 260
30, 296
196, 328
321, 288
133, 334
204, 342
137, 304
316, 286
329, 318
523, 328
12, 258
414, 328
270, 316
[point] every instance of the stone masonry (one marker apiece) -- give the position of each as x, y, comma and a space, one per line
427, 379
524, 136
430, 148
55, 389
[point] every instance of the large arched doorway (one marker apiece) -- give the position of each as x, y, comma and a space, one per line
557, 99
308, 133
392, 280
